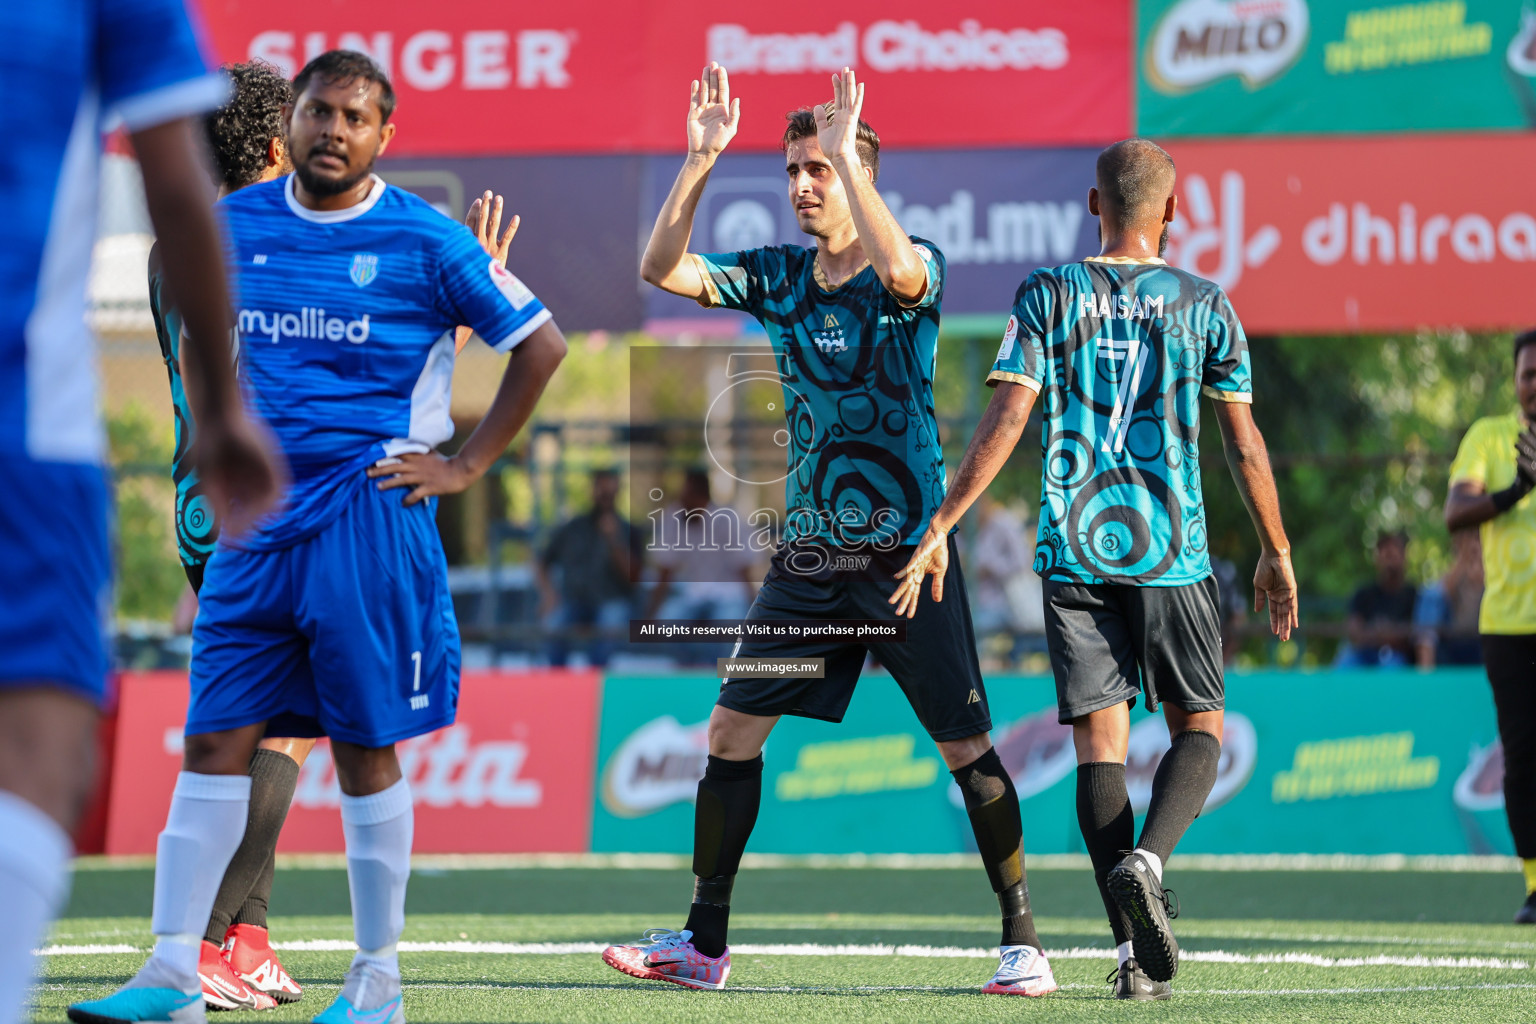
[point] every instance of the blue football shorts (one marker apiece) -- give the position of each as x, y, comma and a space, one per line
58, 591
348, 634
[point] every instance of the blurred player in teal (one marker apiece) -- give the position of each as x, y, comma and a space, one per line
1120, 347
69, 69
854, 324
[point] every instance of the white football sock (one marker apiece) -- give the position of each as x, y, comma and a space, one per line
1123, 952
202, 831
34, 881
379, 829
1156, 863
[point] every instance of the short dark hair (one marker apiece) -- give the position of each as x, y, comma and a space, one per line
1398, 537
802, 125
1522, 340
339, 67
1134, 176
240, 131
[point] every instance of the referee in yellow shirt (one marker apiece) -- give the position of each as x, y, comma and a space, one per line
1491, 482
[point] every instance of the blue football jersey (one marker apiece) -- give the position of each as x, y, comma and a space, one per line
1121, 352
346, 321
69, 69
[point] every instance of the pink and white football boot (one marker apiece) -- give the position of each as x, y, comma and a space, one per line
1022, 971
665, 955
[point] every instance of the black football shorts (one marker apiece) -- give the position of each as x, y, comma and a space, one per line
936, 667
1110, 641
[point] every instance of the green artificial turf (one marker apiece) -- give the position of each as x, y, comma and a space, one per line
1331, 915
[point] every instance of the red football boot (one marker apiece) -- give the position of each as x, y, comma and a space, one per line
250, 954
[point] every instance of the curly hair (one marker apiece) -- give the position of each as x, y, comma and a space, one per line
240, 131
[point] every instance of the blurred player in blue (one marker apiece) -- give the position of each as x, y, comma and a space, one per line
68, 68
1120, 347
333, 617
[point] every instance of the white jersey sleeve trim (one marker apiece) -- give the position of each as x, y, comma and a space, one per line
512, 340
167, 103
303, 212
62, 423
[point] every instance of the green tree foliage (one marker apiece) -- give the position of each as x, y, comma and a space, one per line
148, 572
1362, 432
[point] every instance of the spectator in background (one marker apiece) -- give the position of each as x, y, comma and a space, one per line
704, 568
1006, 590
1380, 623
1491, 483
586, 577
1446, 615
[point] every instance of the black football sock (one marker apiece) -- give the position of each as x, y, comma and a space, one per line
248, 879
1109, 829
254, 909
723, 816
1183, 781
992, 804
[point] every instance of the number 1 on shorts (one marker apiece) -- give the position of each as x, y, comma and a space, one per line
416, 661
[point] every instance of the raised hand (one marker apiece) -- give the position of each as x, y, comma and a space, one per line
837, 123
484, 219
712, 114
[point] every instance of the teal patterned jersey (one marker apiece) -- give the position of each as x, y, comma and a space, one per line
196, 529
856, 367
1121, 352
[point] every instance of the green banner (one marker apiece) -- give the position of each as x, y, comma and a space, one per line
1327, 762
1287, 67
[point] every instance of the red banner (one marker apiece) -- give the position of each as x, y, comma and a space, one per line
1363, 234
513, 775
479, 77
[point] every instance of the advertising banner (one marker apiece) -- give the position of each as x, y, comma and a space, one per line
1362, 235
512, 775
996, 215
1268, 67
601, 76
575, 247
1398, 762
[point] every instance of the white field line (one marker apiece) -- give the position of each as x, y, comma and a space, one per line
874, 950
889, 861
878, 989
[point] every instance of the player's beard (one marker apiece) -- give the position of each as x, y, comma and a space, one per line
316, 185
1162, 241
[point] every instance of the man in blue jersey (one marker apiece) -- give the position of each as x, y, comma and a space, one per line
1121, 347
333, 616
854, 324
69, 68
238, 967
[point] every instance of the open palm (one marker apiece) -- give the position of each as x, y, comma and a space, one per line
712, 114
837, 123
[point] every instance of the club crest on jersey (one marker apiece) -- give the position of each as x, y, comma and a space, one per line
365, 267
830, 339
